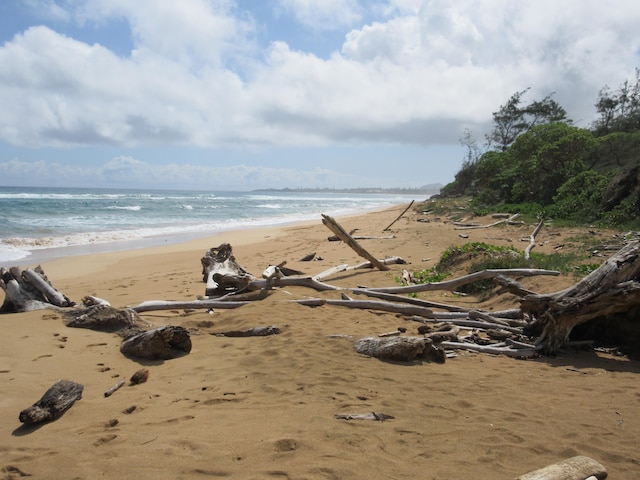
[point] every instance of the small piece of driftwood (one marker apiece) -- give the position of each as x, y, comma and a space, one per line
399, 216
510, 219
532, 239
58, 399
251, 332
378, 417
114, 389
574, 468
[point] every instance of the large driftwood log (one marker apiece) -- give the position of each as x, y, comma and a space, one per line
162, 343
29, 290
58, 399
222, 273
574, 468
610, 290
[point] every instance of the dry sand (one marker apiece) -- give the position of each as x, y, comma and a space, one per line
263, 407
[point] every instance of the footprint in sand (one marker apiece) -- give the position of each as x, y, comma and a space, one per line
286, 445
105, 439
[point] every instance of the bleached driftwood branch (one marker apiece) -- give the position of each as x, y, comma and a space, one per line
506, 220
451, 285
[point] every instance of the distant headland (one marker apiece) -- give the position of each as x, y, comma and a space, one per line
431, 189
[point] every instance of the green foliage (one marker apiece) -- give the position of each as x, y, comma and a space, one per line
625, 215
430, 275
576, 198
472, 250
536, 162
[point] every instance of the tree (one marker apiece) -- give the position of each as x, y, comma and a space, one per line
620, 110
512, 120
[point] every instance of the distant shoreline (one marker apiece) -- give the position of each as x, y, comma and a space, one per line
426, 190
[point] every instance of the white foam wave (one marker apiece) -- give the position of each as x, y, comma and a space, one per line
133, 208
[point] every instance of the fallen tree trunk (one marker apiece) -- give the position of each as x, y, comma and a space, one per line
610, 290
59, 398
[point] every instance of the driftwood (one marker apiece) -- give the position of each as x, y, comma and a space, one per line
399, 216
114, 389
574, 468
402, 349
162, 343
155, 305
378, 417
610, 290
251, 332
495, 349
54, 403
336, 228
450, 285
336, 238
222, 273
29, 290
105, 318
506, 220
532, 239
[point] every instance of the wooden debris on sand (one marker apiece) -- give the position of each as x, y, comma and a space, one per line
59, 398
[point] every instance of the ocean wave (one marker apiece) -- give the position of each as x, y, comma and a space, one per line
133, 208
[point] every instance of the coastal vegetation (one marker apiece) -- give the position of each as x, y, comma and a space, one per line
536, 162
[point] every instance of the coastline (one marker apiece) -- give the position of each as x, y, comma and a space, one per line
264, 407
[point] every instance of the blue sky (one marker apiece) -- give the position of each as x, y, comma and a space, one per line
245, 94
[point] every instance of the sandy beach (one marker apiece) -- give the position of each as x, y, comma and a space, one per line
264, 407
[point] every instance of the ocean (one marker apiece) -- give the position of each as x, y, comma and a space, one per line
39, 224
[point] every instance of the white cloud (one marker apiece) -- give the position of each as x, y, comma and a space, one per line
416, 76
325, 14
127, 171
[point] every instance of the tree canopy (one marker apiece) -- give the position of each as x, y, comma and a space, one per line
535, 158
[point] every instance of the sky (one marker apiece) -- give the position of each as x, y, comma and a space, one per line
249, 94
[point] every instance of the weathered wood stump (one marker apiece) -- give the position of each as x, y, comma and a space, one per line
401, 349
222, 273
162, 343
58, 399
28, 290
608, 292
